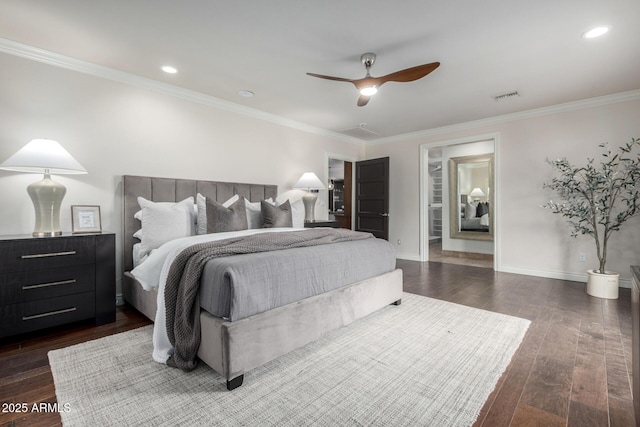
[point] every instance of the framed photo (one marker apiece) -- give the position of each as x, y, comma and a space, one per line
85, 219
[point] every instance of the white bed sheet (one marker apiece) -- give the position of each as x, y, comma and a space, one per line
484, 220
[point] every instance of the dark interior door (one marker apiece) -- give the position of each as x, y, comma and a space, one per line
372, 197
348, 192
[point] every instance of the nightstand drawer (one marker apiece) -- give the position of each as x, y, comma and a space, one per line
41, 284
35, 254
50, 281
34, 315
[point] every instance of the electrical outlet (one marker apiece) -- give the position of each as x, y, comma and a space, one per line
582, 257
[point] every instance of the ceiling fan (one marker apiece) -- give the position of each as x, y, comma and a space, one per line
369, 85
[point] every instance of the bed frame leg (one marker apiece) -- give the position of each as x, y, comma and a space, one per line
397, 302
235, 382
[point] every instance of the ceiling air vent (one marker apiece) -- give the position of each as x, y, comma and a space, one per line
361, 132
507, 95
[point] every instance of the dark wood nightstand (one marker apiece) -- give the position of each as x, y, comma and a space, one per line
314, 224
51, 281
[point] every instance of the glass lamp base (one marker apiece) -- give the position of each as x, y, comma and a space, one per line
309, 201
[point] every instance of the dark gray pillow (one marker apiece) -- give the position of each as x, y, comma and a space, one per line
276, 216
483, 208
221, 219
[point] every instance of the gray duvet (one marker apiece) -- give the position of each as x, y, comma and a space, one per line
182, 288
240, 286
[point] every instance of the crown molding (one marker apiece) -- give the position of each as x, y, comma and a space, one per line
57, 60
633, 95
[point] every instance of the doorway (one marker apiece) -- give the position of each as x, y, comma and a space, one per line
434, 195
340, 192
440, 209
372, 197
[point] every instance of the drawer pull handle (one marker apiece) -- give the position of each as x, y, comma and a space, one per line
45, 285
51, 313
48, 255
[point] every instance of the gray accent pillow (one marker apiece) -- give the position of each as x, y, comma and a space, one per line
221, 218
276, 216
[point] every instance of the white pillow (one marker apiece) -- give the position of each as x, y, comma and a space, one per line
470, 211
137, 259
138, 215
162, 222
201, 204
297, 214
254, 212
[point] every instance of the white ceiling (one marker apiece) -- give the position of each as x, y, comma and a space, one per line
485, 48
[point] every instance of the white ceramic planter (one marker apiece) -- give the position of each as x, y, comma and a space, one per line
602, 285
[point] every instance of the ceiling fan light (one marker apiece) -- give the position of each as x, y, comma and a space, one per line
368, 90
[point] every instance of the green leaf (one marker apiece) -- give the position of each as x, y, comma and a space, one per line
597, 200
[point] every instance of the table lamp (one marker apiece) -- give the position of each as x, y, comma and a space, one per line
476, 193
309, 181
48, 157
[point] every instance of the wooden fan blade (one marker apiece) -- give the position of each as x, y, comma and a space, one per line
338, 79
363, 100
407, 75
410, 74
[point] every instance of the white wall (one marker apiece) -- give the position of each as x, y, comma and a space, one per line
114, 129
530, 240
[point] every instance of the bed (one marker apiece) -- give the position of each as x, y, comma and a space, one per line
232, 347
475, 224
474, 216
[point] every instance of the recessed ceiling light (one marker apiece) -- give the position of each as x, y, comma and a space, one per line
169, 69
596, 32
245, 93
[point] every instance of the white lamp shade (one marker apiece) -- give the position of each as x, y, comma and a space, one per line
476, 192
43, 156
309, 181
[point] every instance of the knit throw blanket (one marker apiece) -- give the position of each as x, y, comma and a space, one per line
182, 296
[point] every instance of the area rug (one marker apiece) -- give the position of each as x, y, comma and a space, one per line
425, 362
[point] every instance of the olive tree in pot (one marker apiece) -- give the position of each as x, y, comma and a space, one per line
596, 200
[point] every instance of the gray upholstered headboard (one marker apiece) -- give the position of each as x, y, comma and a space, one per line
174, 190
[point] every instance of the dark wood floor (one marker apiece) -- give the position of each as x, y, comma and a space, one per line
572, 369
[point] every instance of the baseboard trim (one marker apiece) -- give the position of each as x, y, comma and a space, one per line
408, 257
560, 275
467, 255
